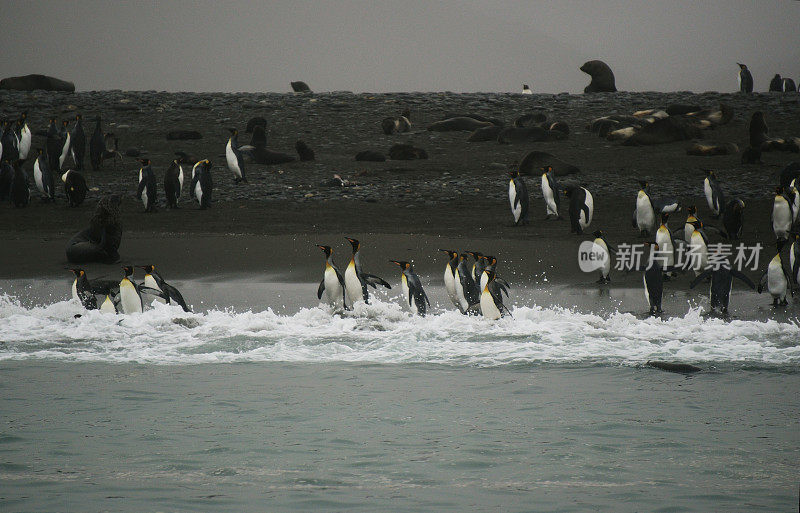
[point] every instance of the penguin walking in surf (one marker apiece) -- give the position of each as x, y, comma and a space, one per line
202, 185
666, 244
782, 215
491, 300
478, 265
653, 279
24, 136
466, 289
721, 286
332, 284
550, 192
130, 298
603, 248
173, 183
82, 290
77, 146
234, 157
714, 195
491, 265
745, 79
449, 276
356, 280
776, 279
698, 249
412, 287
518, 197
581, 208
43, 177
65, 137
155, 284
147, 186
644, 215
75, 187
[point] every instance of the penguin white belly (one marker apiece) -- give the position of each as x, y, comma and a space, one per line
709, 196
646, 292
150, 282
484, 279
463, 304
130, 301
37, 176
449, 285
180, 181
233, 162
601, 248
488, 307
64, 152
792, 249
645, 217
144, 197
108, 306
699, 253
585, 220
75, 291
549, 198
776, 280
688, 230
406, 292
352, 284
512, 198
796, 204
781, 218
333, 289
665, 246
25, 142
198, 192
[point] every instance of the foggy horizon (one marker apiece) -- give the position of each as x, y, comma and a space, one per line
414, 46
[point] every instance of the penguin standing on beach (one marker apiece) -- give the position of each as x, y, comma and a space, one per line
666, 243
776, 279
74, 187
449, 276
43, 177
82, 290
653, 280
66, 143
20, 190
776, 84
155, 284
202, 185
688, 226
234, 157
518, 197
53, 146
130, 297
9, 143
782, 215
147, 186
732, 218
356, 280
97, 145
602, 247
721, 286
745, 79
173, 183
412, 287
644, 215
332, 283
698, 249
714, 195
550, 192
581, 208
24, 136
78, 143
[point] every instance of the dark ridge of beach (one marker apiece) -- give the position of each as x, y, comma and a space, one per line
457, 197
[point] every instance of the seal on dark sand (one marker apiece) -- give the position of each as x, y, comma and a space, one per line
300, 87
304, 151
531, 119
683, 368
706, 150
100, 241
370, 156
253, 122
533, 162
262, 155
397, 125
602, 77
487, 133
665, 130
406, 152
458, 124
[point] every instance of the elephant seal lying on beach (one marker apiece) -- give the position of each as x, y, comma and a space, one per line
100, 241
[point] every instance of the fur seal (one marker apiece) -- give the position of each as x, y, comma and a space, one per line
464, 124
705, 150
262, 155
253, 122
532, 134
304, 151
370, 156
679, 109
776, 84
602, 77
757, 129
533, 162
487, 133
660, 131
531, 119
100, 241
397, 125
494, 121
300, 87
406, 152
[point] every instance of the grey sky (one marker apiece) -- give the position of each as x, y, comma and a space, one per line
399, 45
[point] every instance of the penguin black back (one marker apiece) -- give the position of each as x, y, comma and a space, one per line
20, 190
173, 183
78, 143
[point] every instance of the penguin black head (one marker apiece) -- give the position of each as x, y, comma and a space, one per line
491, 260
598, 234
691, 210
65, 122
403, 264
513, 173
39, 151
77, 272
326, 249
547, 169
710, 173
697, 224
779, 190
643, 184
450, 253
148, 269
128, 270
490, 274
145, 162
78, 117
354, 242
664, 217
475, 254
233, 131
779, 245
23, 116
742, 66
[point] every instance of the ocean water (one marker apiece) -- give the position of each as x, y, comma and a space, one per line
300, 408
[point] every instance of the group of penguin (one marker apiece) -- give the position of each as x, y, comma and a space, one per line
61, 144
475, 290
776, 279
777, 84
124, 296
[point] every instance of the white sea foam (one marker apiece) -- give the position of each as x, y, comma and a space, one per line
383, 332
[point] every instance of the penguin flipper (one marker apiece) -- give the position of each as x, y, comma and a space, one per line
321, 288
633, 219
373, 281
744, 278
762, 282
701, 277
175, 296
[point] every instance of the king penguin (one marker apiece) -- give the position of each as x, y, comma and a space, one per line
202, 185
782, 215
412, 287
66, 143
550, 192
644, 215
9, 143
155, 284
526, 89
478, 265
332, 284
794, 259
776, 279
24, 136
53, 146
130, 297
147, 186
20, 189
745, 79
698, 249
653, 280
82, 290
732, 218
356, 280
78, 143
518, 197
234, 156
491, 301
688, 226
721, 285
466, 289
173, 183
449, 276
714, 195
581, 208
74, 187
44, 179
666, 244
602, 247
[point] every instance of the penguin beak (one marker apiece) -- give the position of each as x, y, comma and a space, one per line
396, 262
